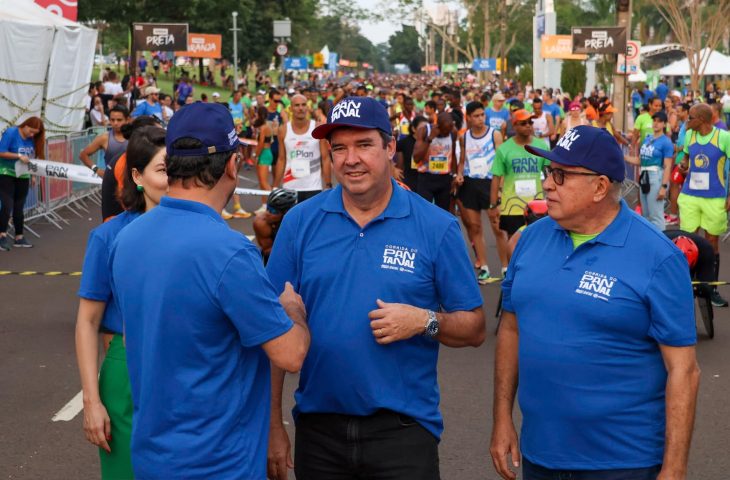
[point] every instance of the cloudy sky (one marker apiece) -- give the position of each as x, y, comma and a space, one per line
380, 32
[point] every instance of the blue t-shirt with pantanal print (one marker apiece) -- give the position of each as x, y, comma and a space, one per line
12, 141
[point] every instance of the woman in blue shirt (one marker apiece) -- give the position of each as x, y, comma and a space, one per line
107, 397
19, 143
656, 160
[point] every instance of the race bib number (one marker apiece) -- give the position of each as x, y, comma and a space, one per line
300, 168
479, 168
699, 181
414, 164
438, 164
526, 188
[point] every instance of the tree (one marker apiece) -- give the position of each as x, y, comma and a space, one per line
404, 48
698, 26
573, 77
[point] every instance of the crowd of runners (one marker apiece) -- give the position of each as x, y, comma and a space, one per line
339, 159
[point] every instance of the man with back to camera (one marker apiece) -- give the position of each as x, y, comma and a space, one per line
603, 352
198, 349
367, 402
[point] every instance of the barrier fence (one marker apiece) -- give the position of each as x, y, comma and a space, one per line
47, 196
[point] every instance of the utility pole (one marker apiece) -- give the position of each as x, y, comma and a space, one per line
235, 31
620, 81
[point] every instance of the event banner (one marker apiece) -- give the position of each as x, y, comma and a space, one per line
62, 171
484, 65
295, 63
203, 45
167, 37
63, 8
599, 40
559, 47
83, 174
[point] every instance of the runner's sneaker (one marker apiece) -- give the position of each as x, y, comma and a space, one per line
671, 219
23, 243
717, 300
226, 215
5, 244
261, 209
241, 213
483, 276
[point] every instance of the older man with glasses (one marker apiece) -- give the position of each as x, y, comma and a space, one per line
597, 332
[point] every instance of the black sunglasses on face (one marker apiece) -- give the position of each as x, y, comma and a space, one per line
559, 174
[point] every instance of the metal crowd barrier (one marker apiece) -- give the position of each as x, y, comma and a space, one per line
47, 196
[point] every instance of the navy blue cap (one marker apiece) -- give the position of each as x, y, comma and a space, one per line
210, 123
355, 112
589, 147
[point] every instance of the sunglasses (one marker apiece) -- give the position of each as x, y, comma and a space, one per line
558, 174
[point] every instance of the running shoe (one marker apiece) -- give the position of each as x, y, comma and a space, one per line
226, 215
717, 300
483, 276
5, 244
241, 213
261, 209
22, 243
671, 219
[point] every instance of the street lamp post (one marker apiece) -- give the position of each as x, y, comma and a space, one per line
235, 31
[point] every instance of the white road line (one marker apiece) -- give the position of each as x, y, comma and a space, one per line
250, 180
70, 410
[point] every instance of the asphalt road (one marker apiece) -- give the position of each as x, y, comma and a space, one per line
38, 373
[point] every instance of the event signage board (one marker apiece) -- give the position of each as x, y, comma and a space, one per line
559, 47
166, 37
632, 60
318, 60
450, 67
203, 45
484, 64
63, 8
295, 63
333, 61
599, 40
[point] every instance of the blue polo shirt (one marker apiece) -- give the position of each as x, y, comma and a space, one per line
96, 278
197, 305
591, 319
412, 253
144, 108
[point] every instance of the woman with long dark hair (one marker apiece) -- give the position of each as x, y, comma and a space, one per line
264, 155
106, 394
20, 143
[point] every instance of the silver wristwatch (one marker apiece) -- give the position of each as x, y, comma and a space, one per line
432, 325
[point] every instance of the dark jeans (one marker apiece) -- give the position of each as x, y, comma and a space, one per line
12, 196
382, 446
530, 471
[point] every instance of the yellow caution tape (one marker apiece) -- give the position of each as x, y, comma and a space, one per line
31, 273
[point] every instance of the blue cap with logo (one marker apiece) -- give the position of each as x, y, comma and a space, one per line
355, 112
589, 147
209, 123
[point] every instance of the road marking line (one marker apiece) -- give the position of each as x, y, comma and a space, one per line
70, 410
250, 180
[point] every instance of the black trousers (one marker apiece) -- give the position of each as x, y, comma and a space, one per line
435, 188
13, 192
382, 446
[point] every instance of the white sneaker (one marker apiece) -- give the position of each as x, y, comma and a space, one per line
261, 209
226, 214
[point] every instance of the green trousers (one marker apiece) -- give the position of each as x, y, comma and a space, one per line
116, 395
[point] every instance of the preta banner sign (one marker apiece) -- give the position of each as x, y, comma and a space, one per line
166, 37
599, 40
64, 8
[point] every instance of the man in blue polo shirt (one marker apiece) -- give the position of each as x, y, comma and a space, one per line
598, 326
385, 277
198, 348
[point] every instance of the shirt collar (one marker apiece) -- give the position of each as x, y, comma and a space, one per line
191, 206
617, 231
398, 206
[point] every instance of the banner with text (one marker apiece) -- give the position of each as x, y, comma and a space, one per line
599, 40
166, 37
295, 63
484, 64
559, 47
203, 45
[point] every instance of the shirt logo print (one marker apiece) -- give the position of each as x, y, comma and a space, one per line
596, 285
398, 258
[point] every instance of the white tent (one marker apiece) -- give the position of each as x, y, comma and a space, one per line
45, 67
717, 64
